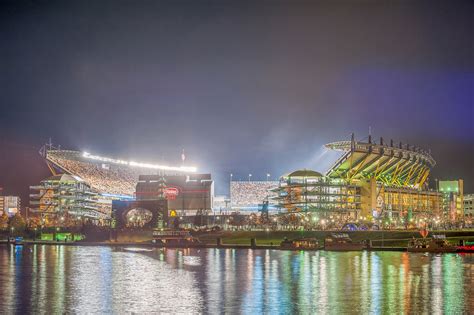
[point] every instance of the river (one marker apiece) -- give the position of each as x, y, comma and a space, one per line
80, 279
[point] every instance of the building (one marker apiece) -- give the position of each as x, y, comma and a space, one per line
307, 190
468, 202
10, 205
186, 194
66, 194
453, 194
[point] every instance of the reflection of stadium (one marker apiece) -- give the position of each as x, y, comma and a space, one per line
368, 180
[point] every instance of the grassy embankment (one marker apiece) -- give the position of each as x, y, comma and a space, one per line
379, 238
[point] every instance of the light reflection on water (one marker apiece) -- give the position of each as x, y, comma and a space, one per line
56, 279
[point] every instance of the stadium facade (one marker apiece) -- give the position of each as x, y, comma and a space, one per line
186, 194
66, 195
369, 180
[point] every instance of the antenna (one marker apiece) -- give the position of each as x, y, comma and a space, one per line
183, 157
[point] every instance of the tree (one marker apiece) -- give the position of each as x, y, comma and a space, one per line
34, 222
3, 222
17, 222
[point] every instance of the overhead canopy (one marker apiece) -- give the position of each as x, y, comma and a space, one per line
392, 165
304, 173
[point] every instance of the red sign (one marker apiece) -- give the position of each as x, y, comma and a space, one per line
424, 233
171, 193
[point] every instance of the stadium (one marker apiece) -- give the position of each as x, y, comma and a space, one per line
368, 182
102, 179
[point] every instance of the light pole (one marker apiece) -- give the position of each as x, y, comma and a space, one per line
250, 175
268, 176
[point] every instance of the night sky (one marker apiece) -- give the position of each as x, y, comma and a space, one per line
243, 86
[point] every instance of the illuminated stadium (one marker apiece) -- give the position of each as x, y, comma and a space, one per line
106, 175
102, 179
368, 180
402, 165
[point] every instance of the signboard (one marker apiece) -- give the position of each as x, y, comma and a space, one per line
171, 193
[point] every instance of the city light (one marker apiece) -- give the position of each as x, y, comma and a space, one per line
186, 169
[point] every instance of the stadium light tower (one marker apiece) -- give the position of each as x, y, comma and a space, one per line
250, 175
268, 176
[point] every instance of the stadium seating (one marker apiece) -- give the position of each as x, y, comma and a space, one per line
250, 193
112, 179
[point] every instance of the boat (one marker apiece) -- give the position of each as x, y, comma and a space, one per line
137, 249
437, 244
174, 238
465, 249
342, 242
18, 241
300, 244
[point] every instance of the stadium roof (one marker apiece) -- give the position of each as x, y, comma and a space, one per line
304, 173
402, 166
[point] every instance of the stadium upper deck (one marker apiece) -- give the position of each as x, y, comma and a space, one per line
106, 175
401, 165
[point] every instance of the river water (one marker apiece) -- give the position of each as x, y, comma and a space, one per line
79, 279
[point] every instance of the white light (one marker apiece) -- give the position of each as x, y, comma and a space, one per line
137, 164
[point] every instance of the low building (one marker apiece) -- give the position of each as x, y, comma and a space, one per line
10, 205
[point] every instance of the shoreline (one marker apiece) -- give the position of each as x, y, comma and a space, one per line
196, 246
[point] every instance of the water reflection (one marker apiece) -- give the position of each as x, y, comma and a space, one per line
55, 279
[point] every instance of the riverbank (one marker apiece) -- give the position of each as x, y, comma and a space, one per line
379, 240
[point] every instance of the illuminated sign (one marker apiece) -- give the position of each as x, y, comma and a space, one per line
171, 193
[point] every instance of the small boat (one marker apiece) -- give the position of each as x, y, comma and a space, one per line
18, 241
137, 249
437, 244
173, 238
342, 242
300, 244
